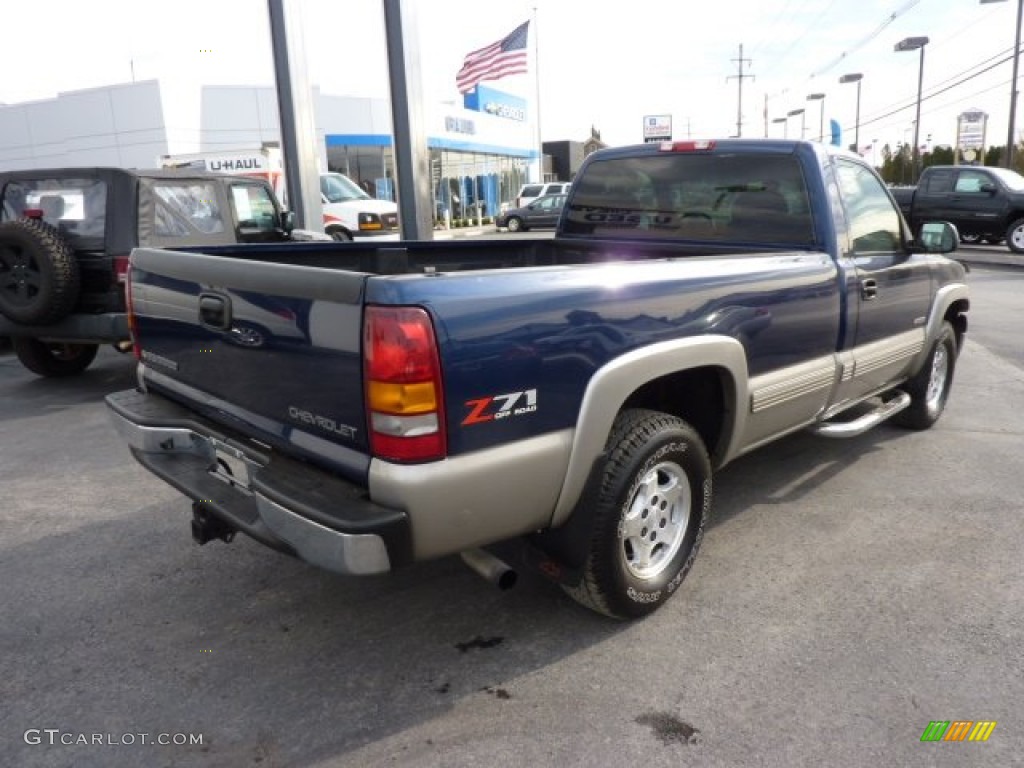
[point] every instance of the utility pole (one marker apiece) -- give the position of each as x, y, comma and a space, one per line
740, 77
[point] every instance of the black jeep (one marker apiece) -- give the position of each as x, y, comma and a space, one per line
66, 235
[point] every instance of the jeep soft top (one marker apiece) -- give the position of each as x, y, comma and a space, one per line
66, 235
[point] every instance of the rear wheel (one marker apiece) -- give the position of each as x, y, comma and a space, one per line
340, 235
929, 389
651, 504
970, 238
515, 224
54, 360
39, 278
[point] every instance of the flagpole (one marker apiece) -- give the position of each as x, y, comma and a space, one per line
536, 95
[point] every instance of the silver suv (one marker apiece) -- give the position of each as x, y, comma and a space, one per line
531, 192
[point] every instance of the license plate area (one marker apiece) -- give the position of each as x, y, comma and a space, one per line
231, 466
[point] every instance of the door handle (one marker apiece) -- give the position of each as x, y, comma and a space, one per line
214, 311
868, 288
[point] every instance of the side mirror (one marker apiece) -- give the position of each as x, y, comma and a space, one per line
287, 221
988, 187
938, 237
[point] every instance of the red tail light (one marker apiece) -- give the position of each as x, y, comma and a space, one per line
129, 308
402, 376
121, 268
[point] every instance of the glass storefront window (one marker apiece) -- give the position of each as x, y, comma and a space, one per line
462, 183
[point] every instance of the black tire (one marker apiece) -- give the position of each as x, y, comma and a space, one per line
970, 239
1015, 236
340, 235
929, 388
656, 480
54, 360
39, 278
515, 224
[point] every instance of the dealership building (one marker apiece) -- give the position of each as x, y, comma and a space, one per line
482, 148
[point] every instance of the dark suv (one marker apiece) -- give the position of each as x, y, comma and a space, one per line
66, 235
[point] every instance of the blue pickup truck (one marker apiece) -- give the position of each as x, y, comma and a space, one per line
366, 407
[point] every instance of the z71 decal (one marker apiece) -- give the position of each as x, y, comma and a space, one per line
496, 407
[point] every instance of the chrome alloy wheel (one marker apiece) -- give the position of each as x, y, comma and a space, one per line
655, 522
937, 380
1016, 238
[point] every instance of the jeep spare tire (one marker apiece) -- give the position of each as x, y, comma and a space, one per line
39, 279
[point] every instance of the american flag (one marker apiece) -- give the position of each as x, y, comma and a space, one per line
506, 57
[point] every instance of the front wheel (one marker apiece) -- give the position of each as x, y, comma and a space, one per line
651, 503
1015, 236
340, 235
53, 360
929, 389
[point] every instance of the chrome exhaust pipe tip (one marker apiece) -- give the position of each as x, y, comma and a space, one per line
492, 569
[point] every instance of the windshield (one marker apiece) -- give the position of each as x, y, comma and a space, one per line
339, 189
1011, 179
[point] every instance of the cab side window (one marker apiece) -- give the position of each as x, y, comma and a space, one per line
873, 221
938, 182
971, 181
186, 208
254, 208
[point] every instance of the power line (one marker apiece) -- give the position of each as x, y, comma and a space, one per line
792, 46
860, 44
936, 93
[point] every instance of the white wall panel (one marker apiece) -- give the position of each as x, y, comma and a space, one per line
120, 125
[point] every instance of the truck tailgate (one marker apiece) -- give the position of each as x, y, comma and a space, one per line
273, 348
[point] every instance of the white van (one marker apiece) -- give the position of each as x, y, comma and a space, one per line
531, 192
349, 212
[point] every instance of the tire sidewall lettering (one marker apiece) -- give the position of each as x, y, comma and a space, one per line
657, 590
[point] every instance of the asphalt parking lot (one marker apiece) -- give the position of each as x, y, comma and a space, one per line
847, 594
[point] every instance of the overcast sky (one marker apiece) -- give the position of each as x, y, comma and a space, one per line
601, 64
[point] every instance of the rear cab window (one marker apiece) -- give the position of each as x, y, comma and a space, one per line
740, 198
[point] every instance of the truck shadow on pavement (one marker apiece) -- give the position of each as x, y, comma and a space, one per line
126, 626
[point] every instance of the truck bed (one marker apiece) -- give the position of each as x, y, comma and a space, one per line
413, 257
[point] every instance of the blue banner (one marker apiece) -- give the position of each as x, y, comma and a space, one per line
483, 99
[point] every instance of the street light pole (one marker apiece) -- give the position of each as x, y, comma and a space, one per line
821, 122
855, 77
913, 44
785, 127
1010, 138
803, 120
